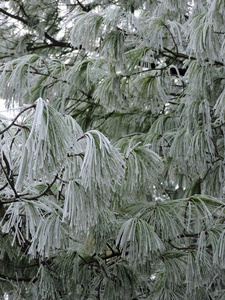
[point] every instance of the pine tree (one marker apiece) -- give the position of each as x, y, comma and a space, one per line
112, 170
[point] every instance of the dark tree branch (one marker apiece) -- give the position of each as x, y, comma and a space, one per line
4, 186
23, 11
47, 75
173, 39
82, 6
15, 119
191, 247
9, 180
105, 119
19, 267
44, 192
185, 56
57, 43
83, 101
14, 16
17, 279
47, 36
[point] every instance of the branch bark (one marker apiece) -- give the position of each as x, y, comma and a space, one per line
15, 119
46, 35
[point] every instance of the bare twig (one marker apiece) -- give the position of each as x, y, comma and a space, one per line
15, 119
44, 192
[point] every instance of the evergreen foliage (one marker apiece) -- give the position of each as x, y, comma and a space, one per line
112, 170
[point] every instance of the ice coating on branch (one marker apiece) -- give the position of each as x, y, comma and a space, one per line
49, 141
102, 165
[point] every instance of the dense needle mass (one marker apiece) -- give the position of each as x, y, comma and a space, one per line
112, 170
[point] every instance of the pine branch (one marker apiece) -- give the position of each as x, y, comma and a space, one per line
9, 181
19, 267
17, 279
26, 22
18, 18
45, 46
154, 69
83, 101
3, 187
182, 55
83, 7
173, 39
105, 119
15, 119
46, 190
190, 247
37, 72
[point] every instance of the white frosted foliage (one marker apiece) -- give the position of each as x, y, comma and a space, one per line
102, 165
112, 159
43, 149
